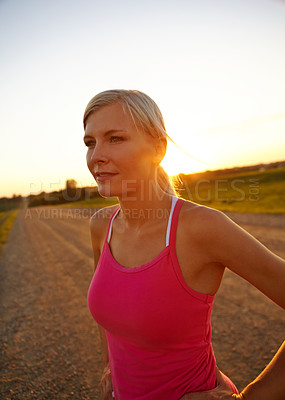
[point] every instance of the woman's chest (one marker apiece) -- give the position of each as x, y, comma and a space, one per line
135, 248
147, 303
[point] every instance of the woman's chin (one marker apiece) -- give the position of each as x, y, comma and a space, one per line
106, 191
105, 194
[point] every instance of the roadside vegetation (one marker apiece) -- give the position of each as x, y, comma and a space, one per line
7, 219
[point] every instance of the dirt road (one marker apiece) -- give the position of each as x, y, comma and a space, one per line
50, 347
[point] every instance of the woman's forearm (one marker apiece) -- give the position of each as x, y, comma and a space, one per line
270, 384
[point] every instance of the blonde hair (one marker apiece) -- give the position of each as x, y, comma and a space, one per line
146, 116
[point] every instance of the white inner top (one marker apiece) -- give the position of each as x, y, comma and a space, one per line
173, 202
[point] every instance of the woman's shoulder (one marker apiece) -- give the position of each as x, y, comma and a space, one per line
104, 213
195, 210
199, 219
100, 220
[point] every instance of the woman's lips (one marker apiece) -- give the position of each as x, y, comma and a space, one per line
104, 176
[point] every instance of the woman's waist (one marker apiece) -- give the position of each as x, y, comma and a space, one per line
189, 361
163, 375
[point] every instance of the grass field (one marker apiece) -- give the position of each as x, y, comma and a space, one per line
92, 203
7, 219
251, 192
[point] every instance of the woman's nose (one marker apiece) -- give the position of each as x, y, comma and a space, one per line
98, 154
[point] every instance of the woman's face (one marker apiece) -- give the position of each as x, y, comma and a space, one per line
120, 158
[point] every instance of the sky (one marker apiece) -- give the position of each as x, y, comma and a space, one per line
214, 67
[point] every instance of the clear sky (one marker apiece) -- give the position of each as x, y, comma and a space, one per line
214, 67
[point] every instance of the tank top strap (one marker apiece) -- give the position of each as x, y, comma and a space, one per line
109, 230
173, 203
174, 221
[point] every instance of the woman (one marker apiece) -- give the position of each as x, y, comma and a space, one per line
159, 260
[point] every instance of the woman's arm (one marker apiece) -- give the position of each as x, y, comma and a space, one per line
269, 385
230, 245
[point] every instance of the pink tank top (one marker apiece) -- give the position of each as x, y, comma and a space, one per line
158, 328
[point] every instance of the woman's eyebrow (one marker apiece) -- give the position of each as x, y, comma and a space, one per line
110, 132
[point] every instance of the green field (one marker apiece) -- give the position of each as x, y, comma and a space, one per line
7, 219
252, 192
92, 203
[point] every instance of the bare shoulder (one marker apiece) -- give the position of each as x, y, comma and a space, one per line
202, 220
101, 216
99, 223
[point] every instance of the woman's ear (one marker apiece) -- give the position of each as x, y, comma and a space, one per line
160, 149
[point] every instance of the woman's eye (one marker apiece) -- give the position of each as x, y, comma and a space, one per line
115, 139
89, 144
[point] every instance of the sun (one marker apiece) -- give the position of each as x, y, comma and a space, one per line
177, 161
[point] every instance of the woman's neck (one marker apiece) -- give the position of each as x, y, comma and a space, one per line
138, 209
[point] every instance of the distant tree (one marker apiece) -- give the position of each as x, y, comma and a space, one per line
70, 184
